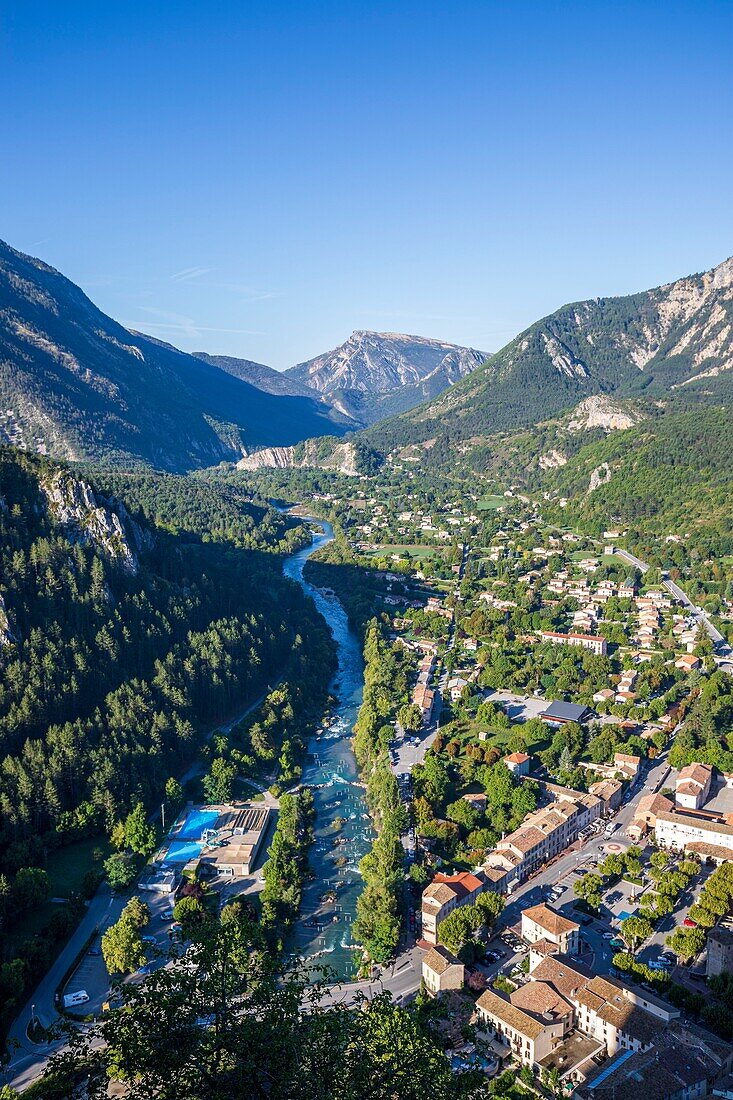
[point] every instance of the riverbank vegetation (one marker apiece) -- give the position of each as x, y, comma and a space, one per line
287, 865
377, 925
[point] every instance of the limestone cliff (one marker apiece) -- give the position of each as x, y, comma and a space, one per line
104, 524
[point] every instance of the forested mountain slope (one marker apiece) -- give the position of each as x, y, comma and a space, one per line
674, 341
257, 374
667, 476
94, 601
374, 375
123, 639
75, 384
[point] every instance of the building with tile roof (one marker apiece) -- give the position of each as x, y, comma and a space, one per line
441, 970
543, 923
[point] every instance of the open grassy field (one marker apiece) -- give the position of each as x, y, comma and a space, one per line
419, 551
490, 503
66, 869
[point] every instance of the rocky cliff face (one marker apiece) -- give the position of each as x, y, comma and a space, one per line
341, 458
601, 411
377, 362
105, 525
6, 634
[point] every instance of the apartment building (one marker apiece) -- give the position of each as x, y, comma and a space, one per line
529, 1036
541, 923
708, 835
543, 835
594, 643
444, 894
568, 1018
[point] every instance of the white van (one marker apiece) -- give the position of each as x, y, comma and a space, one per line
72, 999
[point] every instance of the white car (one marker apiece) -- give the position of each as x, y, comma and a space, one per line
608, 935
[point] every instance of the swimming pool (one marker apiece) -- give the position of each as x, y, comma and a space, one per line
195, 824
180, 851
187, 843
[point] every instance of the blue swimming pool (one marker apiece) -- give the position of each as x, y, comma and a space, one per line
187, 843
180, 851
195, 824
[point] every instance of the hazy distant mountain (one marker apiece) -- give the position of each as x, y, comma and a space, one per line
673, 343
377, 374
257, 374
76, 384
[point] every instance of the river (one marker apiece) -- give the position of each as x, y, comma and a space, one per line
323, 932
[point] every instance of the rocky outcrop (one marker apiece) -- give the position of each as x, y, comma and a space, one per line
552, 460
105, 525
341, 458
6, 634
600, 411
600, 476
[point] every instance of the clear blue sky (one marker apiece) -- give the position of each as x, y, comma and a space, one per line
259, 178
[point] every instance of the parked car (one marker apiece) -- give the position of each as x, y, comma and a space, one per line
608, 935
94, 951
689, 923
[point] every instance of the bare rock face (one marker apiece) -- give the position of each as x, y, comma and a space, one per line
600, 476
552, 459
105, 525
6, 634
600, 411
341, 458
374, 375
377, 362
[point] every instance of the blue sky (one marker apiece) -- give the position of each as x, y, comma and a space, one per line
260, 178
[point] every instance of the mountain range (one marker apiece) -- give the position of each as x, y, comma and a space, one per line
673, 343
257, 374
77, 385
374, 375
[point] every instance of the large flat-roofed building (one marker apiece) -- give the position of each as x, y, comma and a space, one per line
239, 835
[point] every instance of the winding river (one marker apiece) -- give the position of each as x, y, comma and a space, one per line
323, 932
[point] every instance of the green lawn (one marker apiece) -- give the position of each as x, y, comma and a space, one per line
67, 866
490, 503
417, 551
66, 869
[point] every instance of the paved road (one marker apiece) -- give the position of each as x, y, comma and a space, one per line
681, 596
27, 1059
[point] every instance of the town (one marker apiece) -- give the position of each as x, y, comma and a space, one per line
569, 820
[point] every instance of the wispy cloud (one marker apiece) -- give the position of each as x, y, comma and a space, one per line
248, 293
189, 273
177, 324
